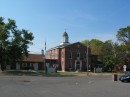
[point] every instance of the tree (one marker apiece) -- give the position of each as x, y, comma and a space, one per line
123, 49
14, 43
123, 34
108, 55
121, 52
123, 37
95, 46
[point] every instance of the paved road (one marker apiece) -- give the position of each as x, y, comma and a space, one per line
92, 86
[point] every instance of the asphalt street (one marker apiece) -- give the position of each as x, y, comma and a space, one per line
33, 86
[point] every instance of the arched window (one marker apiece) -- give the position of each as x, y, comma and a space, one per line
78, 54
77, 62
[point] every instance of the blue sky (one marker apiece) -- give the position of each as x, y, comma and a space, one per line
82, 19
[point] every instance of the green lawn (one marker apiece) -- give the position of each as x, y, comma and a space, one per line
55, 73
18, 72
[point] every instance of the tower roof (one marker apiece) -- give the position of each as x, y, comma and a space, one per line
65, 34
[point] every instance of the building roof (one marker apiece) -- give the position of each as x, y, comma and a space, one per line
65, 45
65, 34
58, 47
34, 58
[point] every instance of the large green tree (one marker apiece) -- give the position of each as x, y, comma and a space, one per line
108, 55
123, 37
14, 43
123, 34
95, 46
123, 48
121, 52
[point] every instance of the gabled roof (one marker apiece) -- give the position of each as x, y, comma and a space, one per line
34, 58
79, 43
65, 45
59, 46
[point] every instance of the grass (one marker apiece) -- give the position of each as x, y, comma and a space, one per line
18, 72
27, 72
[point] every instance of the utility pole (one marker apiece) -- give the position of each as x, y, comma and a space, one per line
1, 55
44, 60
87, 59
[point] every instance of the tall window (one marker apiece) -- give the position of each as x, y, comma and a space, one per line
78, 54
70, 64
70, 55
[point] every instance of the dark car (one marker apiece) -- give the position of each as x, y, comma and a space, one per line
125, 78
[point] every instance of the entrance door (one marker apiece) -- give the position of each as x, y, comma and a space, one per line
78, 66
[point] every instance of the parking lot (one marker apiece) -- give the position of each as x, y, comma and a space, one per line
34, 86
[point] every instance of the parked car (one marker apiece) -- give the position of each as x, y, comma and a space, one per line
125, 78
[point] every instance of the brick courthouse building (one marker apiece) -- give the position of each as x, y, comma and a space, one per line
70, 57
